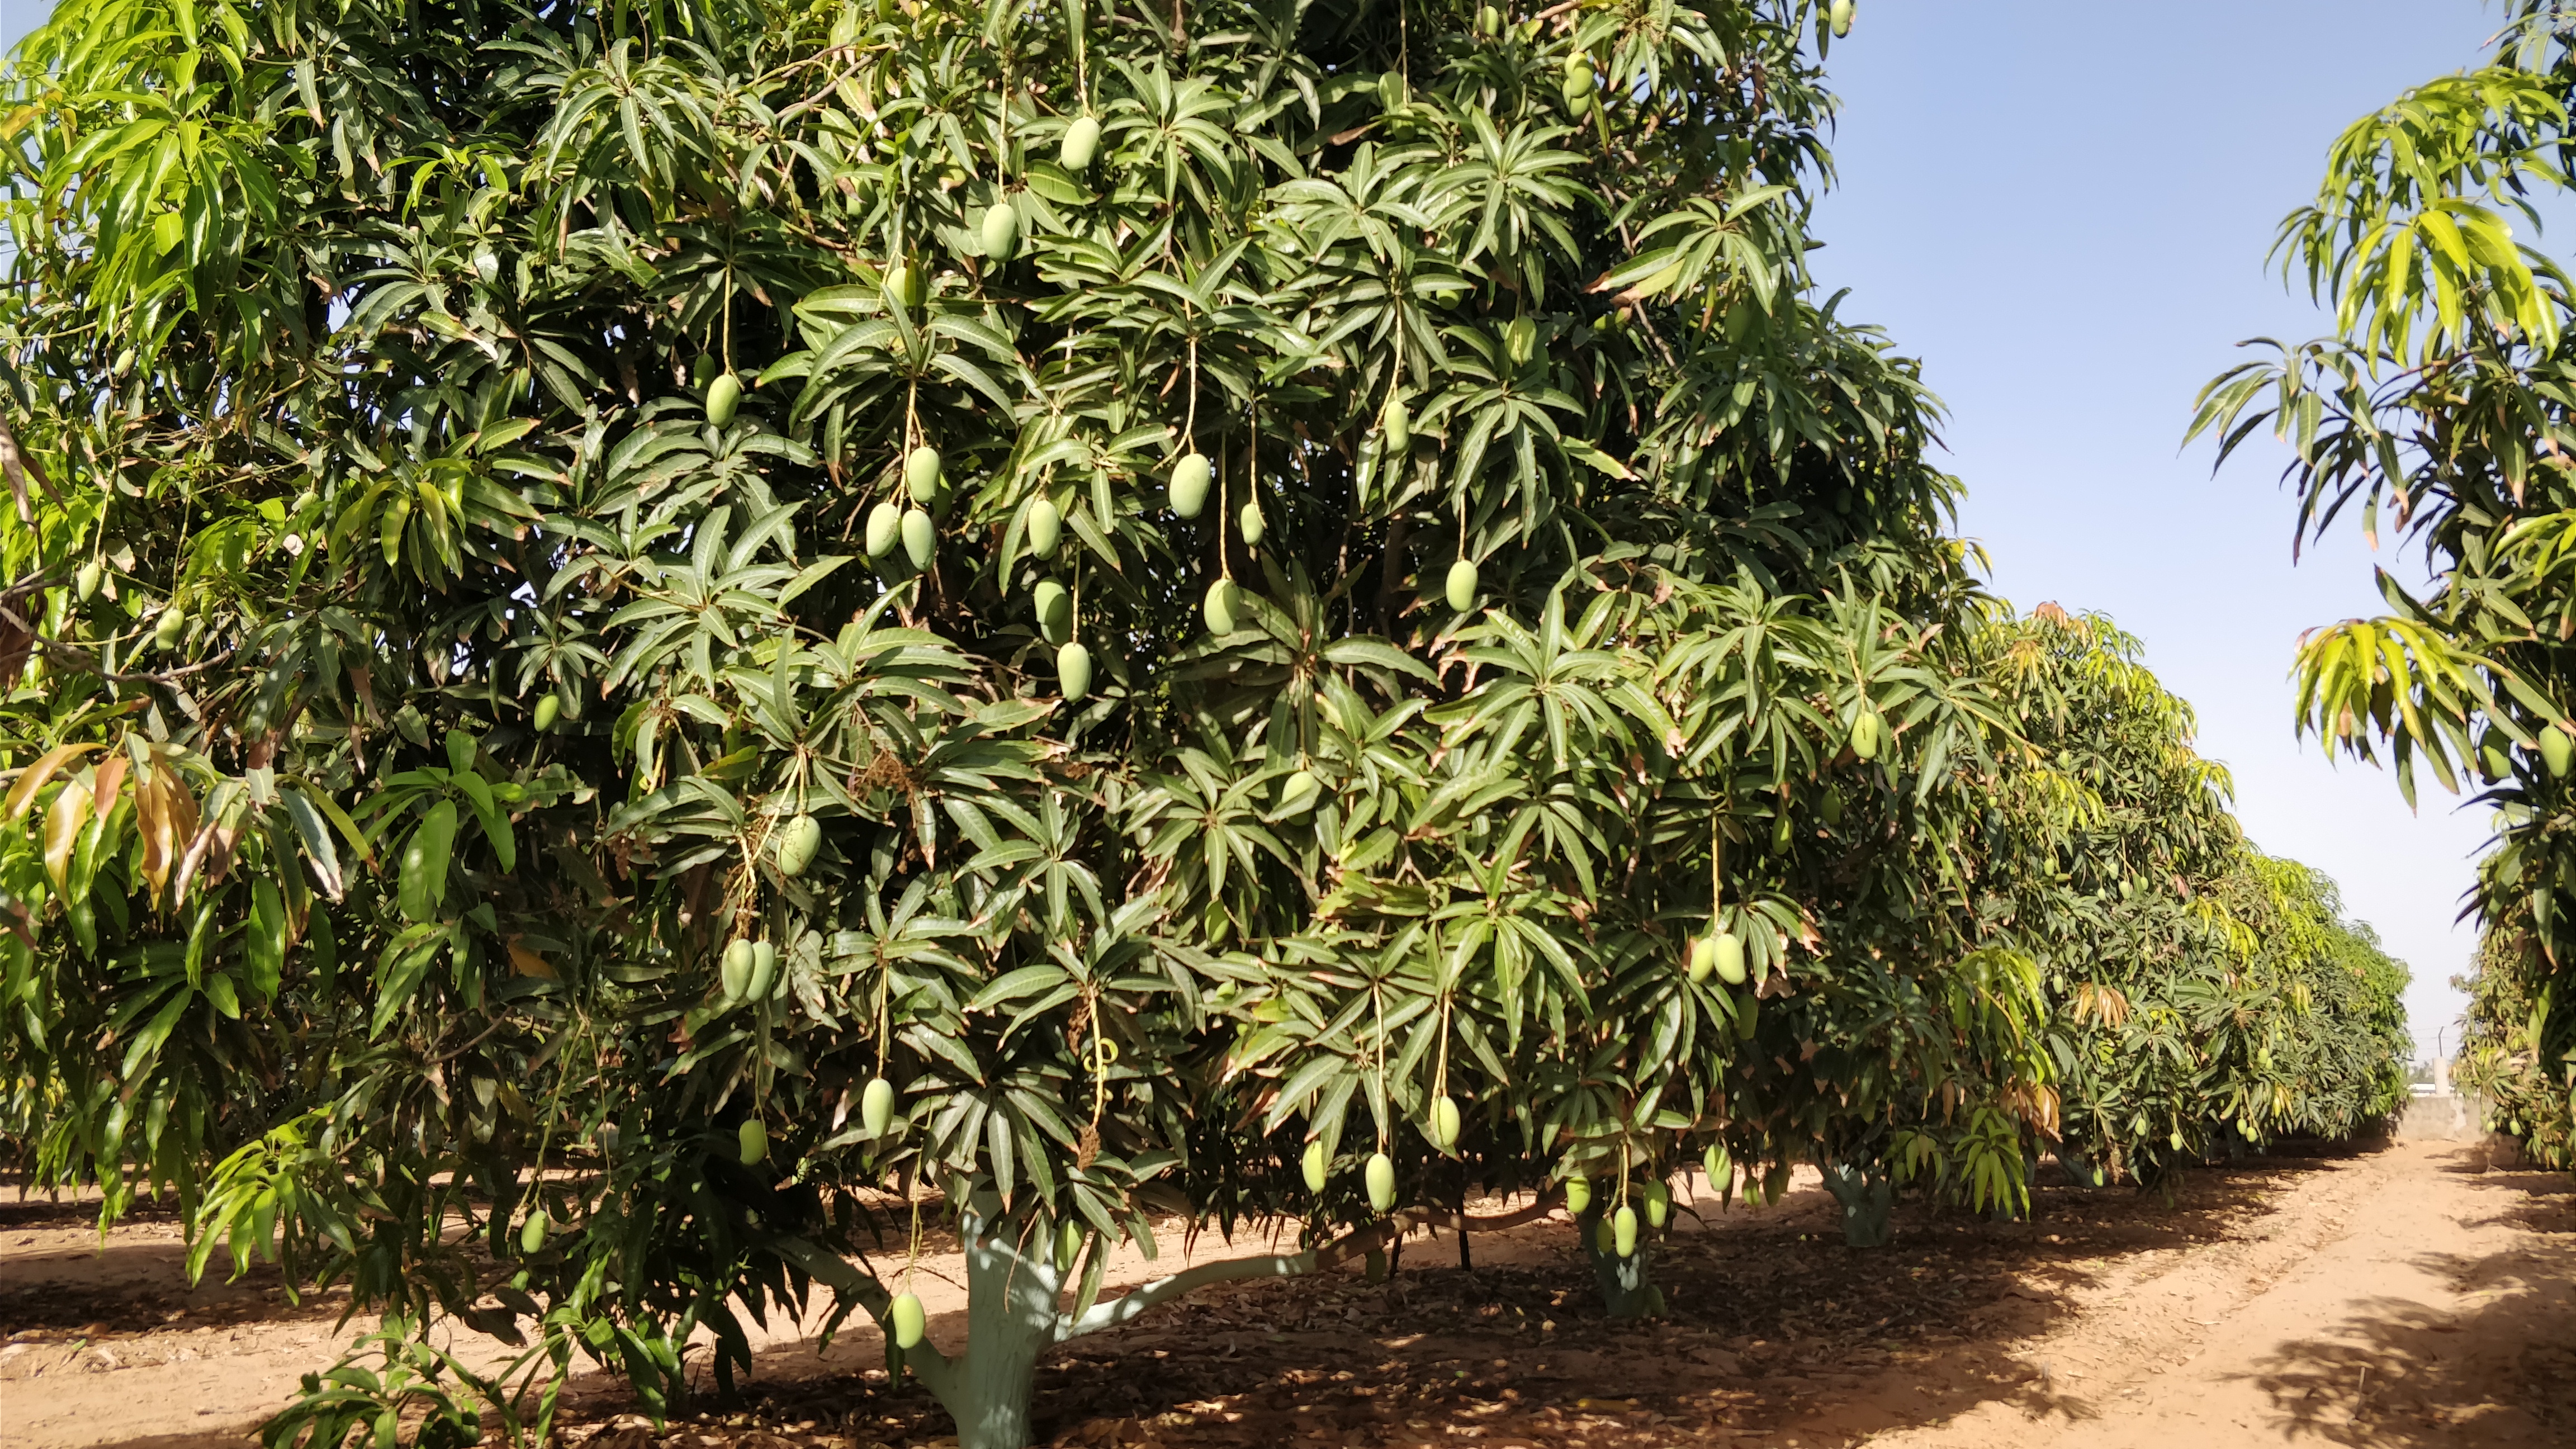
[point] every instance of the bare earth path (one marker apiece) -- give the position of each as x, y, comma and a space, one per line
2402, 1299
2384, 1299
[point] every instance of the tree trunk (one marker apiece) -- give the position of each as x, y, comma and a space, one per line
1010, 1320
1868, 1200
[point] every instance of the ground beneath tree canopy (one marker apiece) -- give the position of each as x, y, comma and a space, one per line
2393, 1297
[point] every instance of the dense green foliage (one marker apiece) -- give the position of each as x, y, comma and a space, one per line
696, 597
2514, 1044
2208, 997
2442, 411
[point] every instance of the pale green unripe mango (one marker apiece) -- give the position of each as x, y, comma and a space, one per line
885, 528
921, 473
723, 396
1081, 144
1073, 672
920, 539
1190, 478
1001, 233
905, 1320
1380, 1177
1046, 528
1461, 587
876, 1106
1444, 1124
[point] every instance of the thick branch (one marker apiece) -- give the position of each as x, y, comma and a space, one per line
1135, 1302
927, 1363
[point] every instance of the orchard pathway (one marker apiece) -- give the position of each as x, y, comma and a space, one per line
2406, 1298
2385, 1299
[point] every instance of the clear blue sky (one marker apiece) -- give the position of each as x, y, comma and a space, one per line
2064, 210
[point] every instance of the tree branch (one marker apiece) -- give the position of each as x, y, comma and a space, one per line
1136, 1301
926, 1362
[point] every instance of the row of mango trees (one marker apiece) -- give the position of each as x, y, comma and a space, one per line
650, 627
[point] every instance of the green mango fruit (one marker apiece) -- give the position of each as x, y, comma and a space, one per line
1081, 144
764, 969
1578, 100
1578, 1195
1001, 233
723, 396
532, 1234
1604, 1238
1489, 22
1252, 523
1373, 1265
876, 1106
920, 539
2556, 748
735, 974
1864, 735
798, 840
921, 473
1520, 341
1444, 1124
1317, 1165
1703, 959
1068, 1245
885, 527
1775, 1183
1832, 806
904, 1319
751, 1142
1460, 588
85, 581
1299, 793
1398, 427
1782, 833
909, 284
1380, 1177
1220, 607
1046, 528
1730, 958
1190, 478
1840, 17
549, 708
1580, 78
1623, 1232
1073, 672
1055, 611
174, 622
1659, 1205
1720, 1169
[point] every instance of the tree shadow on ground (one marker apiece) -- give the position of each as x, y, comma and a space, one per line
2398, 1374
1772, 1323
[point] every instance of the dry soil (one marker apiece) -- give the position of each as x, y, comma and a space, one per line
2398, 1296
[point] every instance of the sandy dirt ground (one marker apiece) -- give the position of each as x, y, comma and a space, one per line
2403, 1296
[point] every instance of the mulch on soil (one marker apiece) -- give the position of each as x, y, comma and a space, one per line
1771, 1318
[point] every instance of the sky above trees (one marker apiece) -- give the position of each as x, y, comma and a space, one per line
2064, 211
